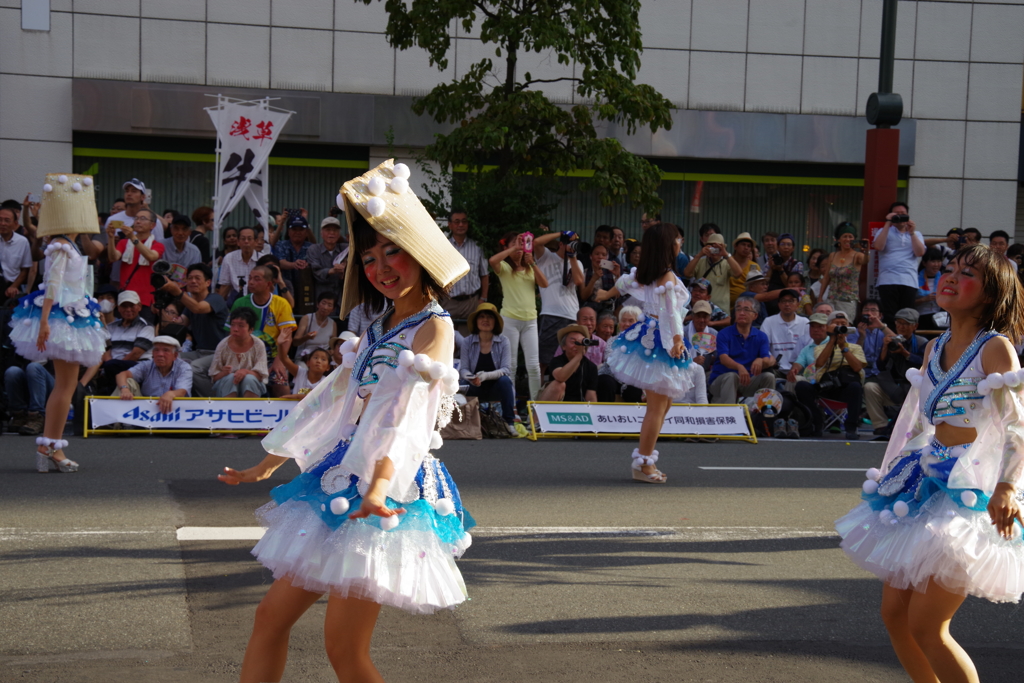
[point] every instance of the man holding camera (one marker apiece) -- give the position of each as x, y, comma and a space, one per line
901, 350
899, 246
179, 251
137, 253
573, 375
716, 265
838, 375
207, 316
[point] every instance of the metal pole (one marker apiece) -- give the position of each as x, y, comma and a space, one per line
887, 53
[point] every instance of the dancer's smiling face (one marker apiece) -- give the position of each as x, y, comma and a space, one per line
390, 269
961, 287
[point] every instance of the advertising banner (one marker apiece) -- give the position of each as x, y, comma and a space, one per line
251, 415
624, 419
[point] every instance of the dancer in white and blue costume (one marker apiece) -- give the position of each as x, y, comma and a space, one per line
373, 519
652, 353
941, 517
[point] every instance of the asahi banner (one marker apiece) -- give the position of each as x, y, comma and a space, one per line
625, 418
215, 415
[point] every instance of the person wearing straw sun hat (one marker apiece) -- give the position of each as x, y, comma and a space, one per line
62, 322
743, 253
373, 519
486, 362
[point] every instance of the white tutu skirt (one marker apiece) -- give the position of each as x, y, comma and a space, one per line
411, 567
76, 333
637, 358
940, 538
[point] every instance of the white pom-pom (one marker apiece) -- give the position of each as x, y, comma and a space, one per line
389, 523
347, 347
26, 322
402, 171
969, 498
76, 187
452, 376
874, 474
71, 318
900, 508
347, 431
376, 186
437, 370
399, 185
886, 516
634, 284
87, 181
435, 440
340, 201
984, 388
996, 380
450, 388
339, 506
444, 506
870, 486
376, 206
406, 358
47, 187
1012, 378
348, 359
660, 289
62, 179
421, 362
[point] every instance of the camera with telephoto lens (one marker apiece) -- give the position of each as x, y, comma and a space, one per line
777, 259
895, 342
900, 218
841, 329
588, 342
158, 278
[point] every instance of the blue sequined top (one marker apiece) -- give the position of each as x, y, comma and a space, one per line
382, 348
952, 396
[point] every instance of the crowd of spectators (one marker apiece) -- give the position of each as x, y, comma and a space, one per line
259, 315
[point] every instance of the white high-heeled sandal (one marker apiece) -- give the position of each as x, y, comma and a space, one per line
45, 462
656, 477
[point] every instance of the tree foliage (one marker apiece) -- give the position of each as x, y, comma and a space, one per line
505, 129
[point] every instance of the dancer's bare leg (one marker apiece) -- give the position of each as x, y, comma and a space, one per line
929, 617
267, 651
654, 420
57, 406
348, 630
895, 614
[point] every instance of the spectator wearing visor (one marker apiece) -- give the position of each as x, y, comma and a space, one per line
901, 350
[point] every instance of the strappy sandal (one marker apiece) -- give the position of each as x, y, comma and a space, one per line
45, 462
639, 461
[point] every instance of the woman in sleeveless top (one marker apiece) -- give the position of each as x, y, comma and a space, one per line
316, 329
652, 354
373, 519
840, 273
941, 518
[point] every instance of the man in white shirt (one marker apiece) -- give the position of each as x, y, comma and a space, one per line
134, 201
233, 280
469, 291
899, 247
559, 302
15, 254
787, 332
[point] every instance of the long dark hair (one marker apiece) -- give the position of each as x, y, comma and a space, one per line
657, 252
364, 238
1004, 309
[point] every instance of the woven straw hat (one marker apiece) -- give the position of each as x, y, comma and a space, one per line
383, 197
68, 206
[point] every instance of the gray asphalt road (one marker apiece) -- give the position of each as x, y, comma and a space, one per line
576, 573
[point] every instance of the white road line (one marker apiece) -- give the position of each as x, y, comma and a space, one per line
790, 469
702, 533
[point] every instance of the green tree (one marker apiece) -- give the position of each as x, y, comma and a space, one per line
511, 138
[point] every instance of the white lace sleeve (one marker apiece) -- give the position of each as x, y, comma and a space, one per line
672, 299
59, 255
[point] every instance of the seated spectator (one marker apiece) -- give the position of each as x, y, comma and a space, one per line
927, 285
236, 266
15, 255
292, 251
698, 393
229, 238
179, 250
238, 366
316, 329
485, 362
262, 248
207, 317
313, 366
744, 357
948, 245
328, 259
701, 290
131, 337
587, 317
701, 338
803, 368
137, 253
629, 316
203, 219
165, 376
900, 352
274, 324
605, 329
282, 287
27, 392
106, 295
783, 263
573, 375
870, 335
838, 375
171, 322
787, 331
336, 354
999, 242
757, 289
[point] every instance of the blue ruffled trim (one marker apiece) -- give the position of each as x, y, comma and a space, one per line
632, 342
28, 310
307, 487
919, 487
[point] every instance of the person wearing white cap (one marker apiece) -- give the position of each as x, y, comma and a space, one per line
382, 521
61, 323
164, 376
134, 201
130, 336
328, 259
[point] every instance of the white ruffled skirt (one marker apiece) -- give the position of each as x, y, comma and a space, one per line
76, 333
637, 358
